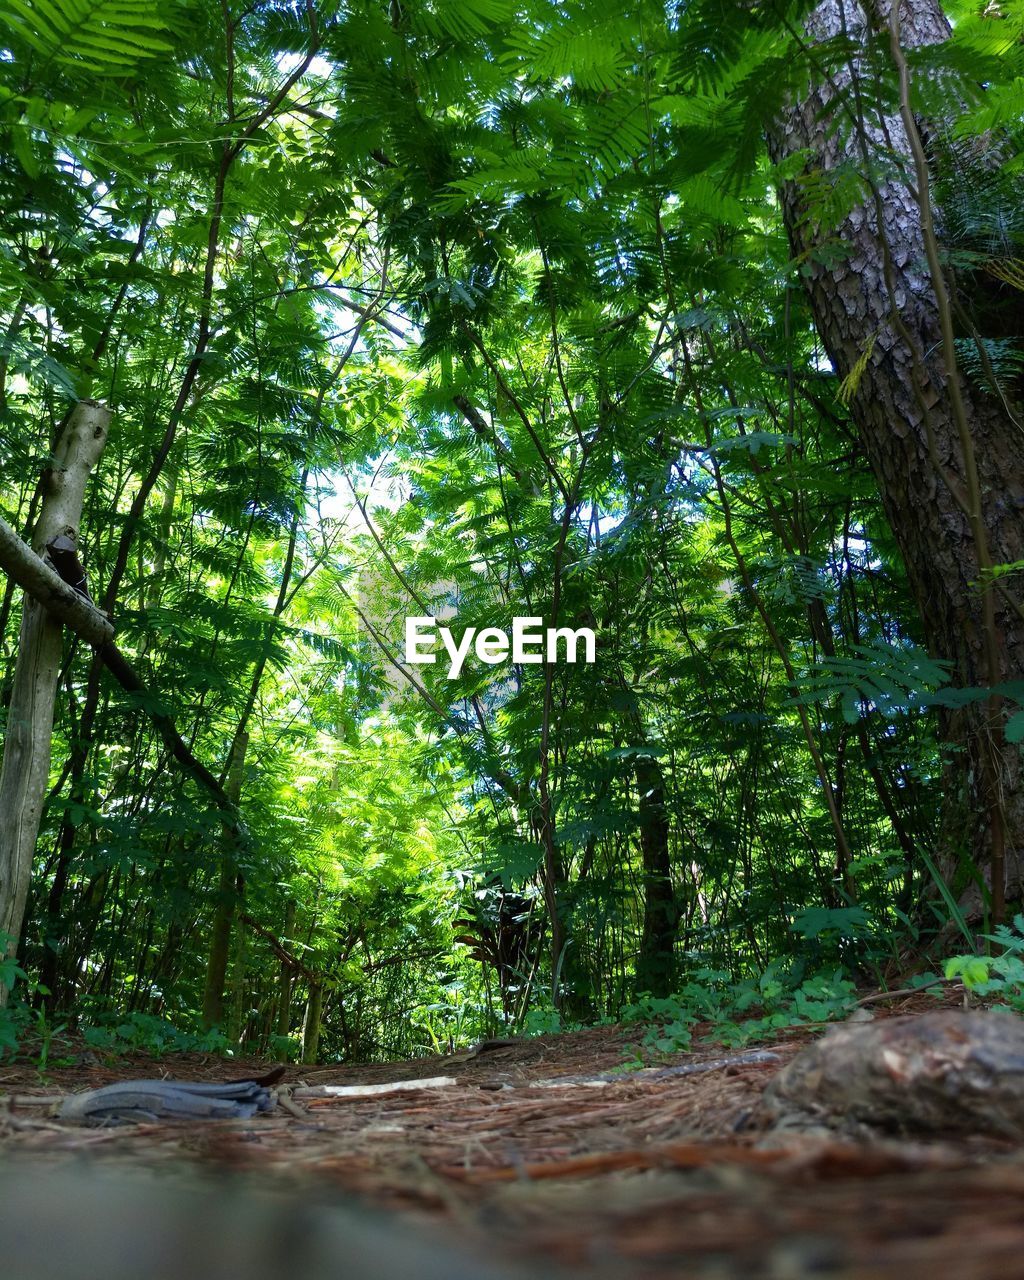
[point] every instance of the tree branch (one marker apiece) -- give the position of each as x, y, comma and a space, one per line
40, 581
279, 949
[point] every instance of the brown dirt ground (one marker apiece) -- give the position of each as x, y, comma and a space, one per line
636, 1179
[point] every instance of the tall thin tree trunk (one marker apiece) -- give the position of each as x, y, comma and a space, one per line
24, 774
655, 970
237, 1018
228, 894
284, 1007
953, 497
311, 1022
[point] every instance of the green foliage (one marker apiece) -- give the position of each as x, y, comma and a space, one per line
105, 37
545, 1020
999, 975
19, 1020
739, 1012
486, 310
10, 971
145, 1033
874, 678
15, 1019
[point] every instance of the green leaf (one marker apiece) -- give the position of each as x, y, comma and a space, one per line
104, 37
974, 970
21, 143
1015, 727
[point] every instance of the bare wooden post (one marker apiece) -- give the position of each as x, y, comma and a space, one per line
24, 773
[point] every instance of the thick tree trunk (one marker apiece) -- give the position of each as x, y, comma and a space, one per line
878, 306
24, 774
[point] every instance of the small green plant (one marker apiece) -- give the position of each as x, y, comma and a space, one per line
147, 1033
10, 971
456, 1018
45, 1033
15, 1019
1000, 975
775, 999
288, 1048
29, 1032
21, 1025
543, 1021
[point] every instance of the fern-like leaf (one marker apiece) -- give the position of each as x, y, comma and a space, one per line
106, 37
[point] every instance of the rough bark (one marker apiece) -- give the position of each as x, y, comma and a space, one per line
876, 303
24, 774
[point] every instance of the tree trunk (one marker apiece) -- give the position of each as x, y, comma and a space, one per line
229, 894
24, 774
883, 311
311, 1023
238, 1019
284, 1006
655, 970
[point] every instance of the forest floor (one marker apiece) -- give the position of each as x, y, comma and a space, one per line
637, 1177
